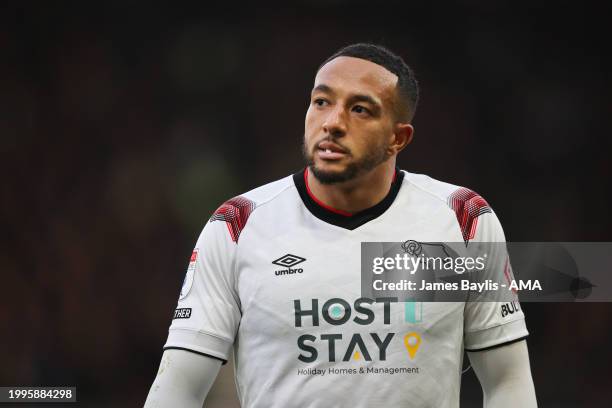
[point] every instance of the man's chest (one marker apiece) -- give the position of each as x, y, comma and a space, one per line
304, 296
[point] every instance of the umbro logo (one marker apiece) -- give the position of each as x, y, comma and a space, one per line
288, 261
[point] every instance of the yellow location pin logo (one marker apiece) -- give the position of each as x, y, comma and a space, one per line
412, 341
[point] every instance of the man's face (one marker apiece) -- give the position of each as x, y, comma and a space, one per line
350, 122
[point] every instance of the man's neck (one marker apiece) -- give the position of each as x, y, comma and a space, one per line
355, 195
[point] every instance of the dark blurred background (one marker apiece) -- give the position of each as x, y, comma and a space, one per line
124, 126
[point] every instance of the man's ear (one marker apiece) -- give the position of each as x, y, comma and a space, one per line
403, 134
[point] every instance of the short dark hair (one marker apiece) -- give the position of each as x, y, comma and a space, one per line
407, 85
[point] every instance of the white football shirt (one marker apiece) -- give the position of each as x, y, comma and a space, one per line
275, 274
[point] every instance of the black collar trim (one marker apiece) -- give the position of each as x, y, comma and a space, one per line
355, 220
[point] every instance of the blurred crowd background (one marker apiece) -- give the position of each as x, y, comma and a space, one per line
123, 126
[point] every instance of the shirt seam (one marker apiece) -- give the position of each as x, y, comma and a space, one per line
225, 339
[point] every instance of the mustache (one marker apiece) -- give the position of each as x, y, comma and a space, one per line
333, 140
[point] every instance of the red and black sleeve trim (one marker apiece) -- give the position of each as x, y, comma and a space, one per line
343, 219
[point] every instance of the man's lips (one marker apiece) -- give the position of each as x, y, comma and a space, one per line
327, 150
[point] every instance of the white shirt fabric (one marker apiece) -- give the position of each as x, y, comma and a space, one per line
302, 335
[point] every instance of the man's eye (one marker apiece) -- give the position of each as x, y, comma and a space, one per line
320, 102
360, 109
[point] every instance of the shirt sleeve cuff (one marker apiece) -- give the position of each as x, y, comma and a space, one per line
496, 336
200, 342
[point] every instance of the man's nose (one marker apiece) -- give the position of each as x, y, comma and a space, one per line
335, 123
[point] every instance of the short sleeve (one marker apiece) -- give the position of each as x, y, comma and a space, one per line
489, 324
208, 312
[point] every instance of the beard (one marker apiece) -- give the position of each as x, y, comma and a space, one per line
373, 157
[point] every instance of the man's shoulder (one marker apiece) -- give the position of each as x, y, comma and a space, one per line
458, 198
261, 195
466, 204
269, 191
237, 211
430, 186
